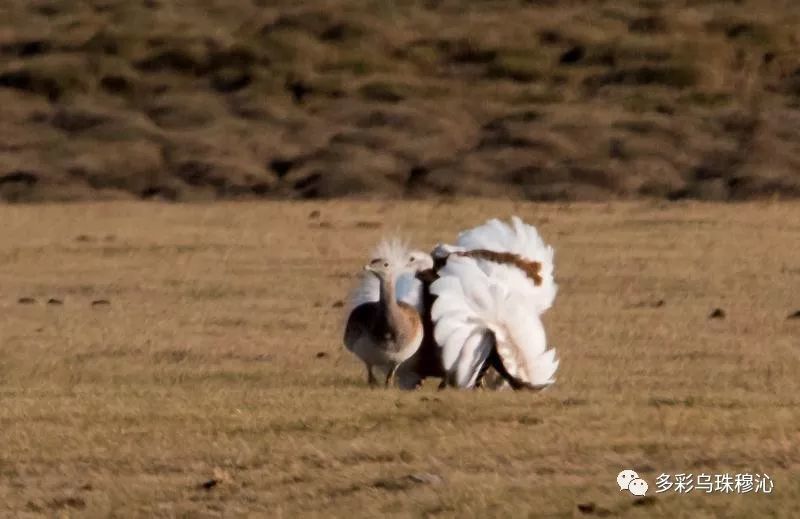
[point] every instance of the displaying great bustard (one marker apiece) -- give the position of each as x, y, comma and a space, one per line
479, 304
493, 285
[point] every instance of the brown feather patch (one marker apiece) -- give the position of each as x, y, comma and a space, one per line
411, 315
532, 269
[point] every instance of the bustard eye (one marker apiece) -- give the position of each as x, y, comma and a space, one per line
385, 265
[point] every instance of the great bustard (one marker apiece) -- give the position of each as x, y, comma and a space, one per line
384, 327
483, 299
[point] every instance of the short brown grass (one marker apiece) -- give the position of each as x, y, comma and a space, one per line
219, 357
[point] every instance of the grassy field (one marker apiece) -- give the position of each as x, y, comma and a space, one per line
198, 343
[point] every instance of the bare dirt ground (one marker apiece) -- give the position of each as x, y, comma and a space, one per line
198, 343
541, 100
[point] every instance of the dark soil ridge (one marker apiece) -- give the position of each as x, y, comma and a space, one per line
546, 100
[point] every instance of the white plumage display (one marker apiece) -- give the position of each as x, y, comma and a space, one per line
482, 303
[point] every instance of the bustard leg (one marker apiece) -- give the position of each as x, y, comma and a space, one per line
497, 364
371, 380
390, 375
447, 380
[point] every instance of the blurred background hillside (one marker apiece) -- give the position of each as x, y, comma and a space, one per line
536, 99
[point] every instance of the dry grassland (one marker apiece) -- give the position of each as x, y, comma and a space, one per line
219, 357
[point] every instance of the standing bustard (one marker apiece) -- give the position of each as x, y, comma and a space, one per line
384, 327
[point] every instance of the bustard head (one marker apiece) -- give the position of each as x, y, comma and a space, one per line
418, 261
381, 267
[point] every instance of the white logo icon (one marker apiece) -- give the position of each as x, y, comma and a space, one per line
629, 480
638, 487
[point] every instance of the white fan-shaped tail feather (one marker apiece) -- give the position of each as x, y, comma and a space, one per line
479, 307
473, 356
407, 287
522, 240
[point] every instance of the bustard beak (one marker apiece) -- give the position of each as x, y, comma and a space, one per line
441, 251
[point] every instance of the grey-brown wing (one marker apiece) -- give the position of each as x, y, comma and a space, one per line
358, 323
